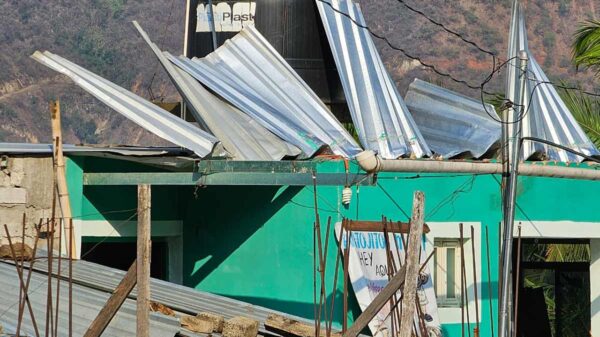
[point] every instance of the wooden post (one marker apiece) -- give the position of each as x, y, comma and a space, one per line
143, 260
113, 304
412, 265
378, 302
60, 175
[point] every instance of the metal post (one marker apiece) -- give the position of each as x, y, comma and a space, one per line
211, 22
504, 324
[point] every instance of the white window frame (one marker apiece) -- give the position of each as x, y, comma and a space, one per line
440, 272
450, 230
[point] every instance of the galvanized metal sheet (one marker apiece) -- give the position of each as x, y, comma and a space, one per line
452, 124
30, 148
250, 74
140, 111
182, 299
547, 117
241, 135
382, 120
87, 302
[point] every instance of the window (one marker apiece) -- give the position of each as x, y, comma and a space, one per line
446, 274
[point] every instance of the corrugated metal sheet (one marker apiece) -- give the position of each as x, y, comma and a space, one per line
87, 302
29, 148
242, 137
452, 124
382, 120
548, 118
251, 75
140, 111
179, 298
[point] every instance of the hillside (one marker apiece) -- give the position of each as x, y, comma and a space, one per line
98, 35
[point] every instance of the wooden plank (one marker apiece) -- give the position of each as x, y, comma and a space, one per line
114, 303
60, 176
412, 264
378, 302
143, 258
377, 226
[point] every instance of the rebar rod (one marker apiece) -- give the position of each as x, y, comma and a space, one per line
517, 283
475, 282
58, 277
489, 281
21, 283
30, 271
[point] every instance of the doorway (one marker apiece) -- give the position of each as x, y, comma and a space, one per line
553, 288
120, 254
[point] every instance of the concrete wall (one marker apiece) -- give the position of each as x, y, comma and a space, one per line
25, 188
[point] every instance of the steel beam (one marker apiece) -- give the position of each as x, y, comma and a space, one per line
224, 178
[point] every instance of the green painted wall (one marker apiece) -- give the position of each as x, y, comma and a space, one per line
256, 243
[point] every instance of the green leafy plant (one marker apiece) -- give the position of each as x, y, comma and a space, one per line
586, 46
586, 111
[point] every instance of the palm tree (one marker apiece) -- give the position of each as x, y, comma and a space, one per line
586, 111
586, 53
586, 46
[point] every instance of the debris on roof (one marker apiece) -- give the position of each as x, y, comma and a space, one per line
382, 120
546, 116
241, 136
250, 74
453, 124
140, 111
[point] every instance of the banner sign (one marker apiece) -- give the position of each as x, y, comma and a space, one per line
230, 16
368, 269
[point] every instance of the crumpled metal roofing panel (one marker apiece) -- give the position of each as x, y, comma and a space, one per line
140, 111
548, 117
451, 123
87, 303
244, 138
382, 120
250, 74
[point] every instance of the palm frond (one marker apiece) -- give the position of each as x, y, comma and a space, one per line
586, 46
586, 111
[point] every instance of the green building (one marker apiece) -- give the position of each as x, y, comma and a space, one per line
245, 229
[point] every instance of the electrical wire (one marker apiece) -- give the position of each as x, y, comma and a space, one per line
562, 147
416, 58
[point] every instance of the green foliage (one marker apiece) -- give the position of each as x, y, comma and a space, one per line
586, 47
586, 111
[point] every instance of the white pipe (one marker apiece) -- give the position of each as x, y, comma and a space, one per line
371, 163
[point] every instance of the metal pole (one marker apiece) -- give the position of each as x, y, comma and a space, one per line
211, 22
505, 324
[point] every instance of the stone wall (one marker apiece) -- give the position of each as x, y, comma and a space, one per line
25, 188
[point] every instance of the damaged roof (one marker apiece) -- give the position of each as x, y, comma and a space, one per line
241, 136
380, 116
546, 116
250, 74
453, 124
140, 111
